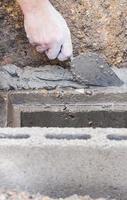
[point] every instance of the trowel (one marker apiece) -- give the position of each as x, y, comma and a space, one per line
91, 69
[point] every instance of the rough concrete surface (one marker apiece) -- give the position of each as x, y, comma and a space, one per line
97, 25
13, 195
40, 160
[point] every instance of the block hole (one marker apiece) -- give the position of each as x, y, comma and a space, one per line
68, 136
117, 137
16, 137
80, 119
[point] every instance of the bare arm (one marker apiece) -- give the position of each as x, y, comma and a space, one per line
46, 29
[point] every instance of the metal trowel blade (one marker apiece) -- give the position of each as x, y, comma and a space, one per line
92, 70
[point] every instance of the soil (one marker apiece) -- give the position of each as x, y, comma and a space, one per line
12, 195
96, 26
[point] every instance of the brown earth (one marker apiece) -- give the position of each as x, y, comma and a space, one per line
96, 25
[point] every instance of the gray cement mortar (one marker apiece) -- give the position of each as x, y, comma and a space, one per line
87, 69
40, 160
48, 77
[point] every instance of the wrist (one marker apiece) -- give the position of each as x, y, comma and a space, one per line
29, 6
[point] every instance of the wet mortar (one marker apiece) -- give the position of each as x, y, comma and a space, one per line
85, 70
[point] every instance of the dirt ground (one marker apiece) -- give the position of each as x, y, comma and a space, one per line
96, 25
11, 195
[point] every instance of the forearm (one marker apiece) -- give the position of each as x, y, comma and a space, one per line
31, 5
46, 28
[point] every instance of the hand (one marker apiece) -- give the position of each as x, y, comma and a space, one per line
48, 31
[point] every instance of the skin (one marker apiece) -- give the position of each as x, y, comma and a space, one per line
46, 29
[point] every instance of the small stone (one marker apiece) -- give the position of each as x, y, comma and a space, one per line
89, 92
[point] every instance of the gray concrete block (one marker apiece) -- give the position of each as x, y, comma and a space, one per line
61, 162
69, 108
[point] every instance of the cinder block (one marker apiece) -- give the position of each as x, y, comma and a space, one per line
100, 107
63, 161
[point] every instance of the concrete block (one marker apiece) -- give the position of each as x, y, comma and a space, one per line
63, 161
100, 107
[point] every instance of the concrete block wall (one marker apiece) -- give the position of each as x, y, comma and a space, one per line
61, 162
